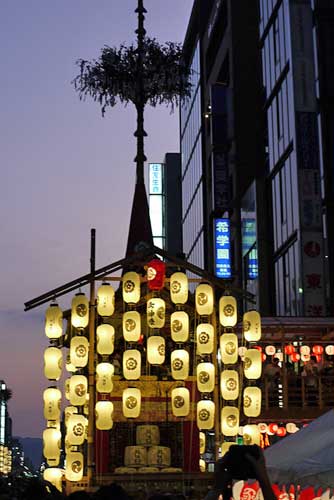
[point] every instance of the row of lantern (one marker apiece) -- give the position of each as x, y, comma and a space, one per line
5, 460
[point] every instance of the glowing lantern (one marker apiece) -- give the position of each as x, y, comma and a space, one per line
156, 312
317, 349
135, 456
180, 401
230, 421
131, 402
79, 348
205, 338
51, 445
78, 390
205, 414
252, 364
205, 377
202, 465
179, 288
202, 442
103, 415
179, 326
69, 367
131, 326
229, 384
76, 429
147, 435
289, 349
305, 357
74, 466
251, 435
204, 299
263, 428
156, 350
131, 287
242, 351
295, 357
291, 427
279, 356
252, 401
281, 432
305, 349
80, 311
156, 270
158, 456
105, 337
52, 400
131, 364
229, 348
270, 350
53, 360
180, 364
329, 349
105, 300
228, 311
53, 322
104, 375
252, 326
272, 428
69, 410
53, 476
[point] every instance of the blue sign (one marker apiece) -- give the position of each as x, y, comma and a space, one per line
253, 271
222, 248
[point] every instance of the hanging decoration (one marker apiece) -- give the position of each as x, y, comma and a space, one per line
105, 300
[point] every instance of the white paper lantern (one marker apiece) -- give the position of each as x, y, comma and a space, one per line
253, 364
180, 398
251, 435
205, 336
228, 312
158, 456
202, 442
205, 414
180, 364
279, 356
54, 476
135, 456
202, 465
179, 288
78, 390
131, 364
204, 299
69, 410
131, 287
156, 350
131, 402
155, 311
229, 385
51, 446
104, 375
205, 375
179, 326
105, 300
252, 401
263, 428
103, 415
229, 348
76, 429
52, 401
79, 349
53, 322
147, 435
230, 421
80, 311
68, 365
270, 350
305, 357
53, 361
305, 349
252, 326
291, 427
105, 338
329, 350
131, 326
74, 466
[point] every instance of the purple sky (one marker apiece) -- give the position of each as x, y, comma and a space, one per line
64, 168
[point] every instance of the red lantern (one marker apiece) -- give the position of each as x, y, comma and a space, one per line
289, 349
156, 270
318, 358
295, 357
281, 431
317, 349
272, 428
258, 347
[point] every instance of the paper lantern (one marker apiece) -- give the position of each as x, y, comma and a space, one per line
131, 364
79, 349
52, 400
80, 311
270, 350
76, 429
242, 351
295, 357
305, 357
179, 288
105, 338
229, 421
103, 415
205, 377
156, 270
251, 435
147, 435
51, 445
305, 349
272, 428
205, 414
105, 300
228, 312
180, 397
53, 476
279, 356
317, 349
104, 375
252, 401
158, 456
131, 402
329, 349
202, 465
180, 364
204, 299
74, 466
229, 385
131, 326
229, 348
202, 442
156, 312
263, 428
69, 410
135, 456
53, 322
179, 326
78, 390
252, 326
156, 350
252, 364
205, 335
281, 432
291, 427
289, 349
69, 366
53, 361
131, 287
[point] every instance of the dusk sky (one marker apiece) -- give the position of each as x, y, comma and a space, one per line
65, 169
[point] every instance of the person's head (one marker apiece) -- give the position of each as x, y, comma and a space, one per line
79, 495
275, 361
112, 491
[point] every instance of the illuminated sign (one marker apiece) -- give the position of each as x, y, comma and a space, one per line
252, 264
157, 203
222, 248
155, 178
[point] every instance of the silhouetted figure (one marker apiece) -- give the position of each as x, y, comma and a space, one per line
112, 491
79, 495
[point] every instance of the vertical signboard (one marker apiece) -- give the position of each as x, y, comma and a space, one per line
222, 248
157, 207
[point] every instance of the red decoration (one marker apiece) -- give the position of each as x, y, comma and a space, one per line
281, 432
258, 347
263, 357
289, 349
156, 270
317, 349
295, 357
273, 428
